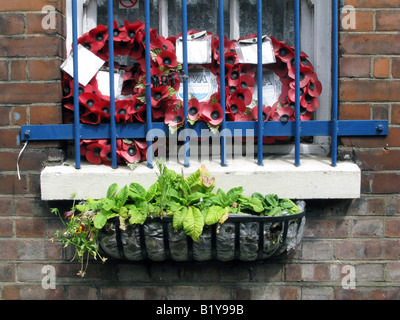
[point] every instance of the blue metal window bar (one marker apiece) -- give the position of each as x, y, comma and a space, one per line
333, 128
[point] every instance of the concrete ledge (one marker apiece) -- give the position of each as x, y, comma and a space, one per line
314, 179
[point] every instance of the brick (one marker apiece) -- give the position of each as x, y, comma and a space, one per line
82, 293
378, 160
12, 24
9, 184
380, 112
367, 272
381, 68
31, 250
30, 228
387, 20
367, 228
364, 21
4, 70
373, 3
393, 271
32, 207
317, 293
44, 69
34, 24
18, 116
30, 93
45, 115
369, 90
385, 183
317, 250
7, 273
393, 228
8, 250
355, 67
6, 228
7, 207
18, 70
326, 228
45, 46
4, 116
354, 112
371, 43
9, 138
368, 250
33, 5
395, 115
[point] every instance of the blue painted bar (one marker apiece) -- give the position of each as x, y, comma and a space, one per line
112, 92
222, 77
149, 125
297, 80
186, 80
76, 85
260, 84
335, 80
346, 128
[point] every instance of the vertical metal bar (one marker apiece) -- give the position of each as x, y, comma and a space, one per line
185, 80
297, 81
112, 92
76, 84
222, 78
260, 133
335, 80
149, 123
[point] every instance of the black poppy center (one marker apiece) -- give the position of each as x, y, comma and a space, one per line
264, 116
90, 103
157, 95
283, 52
215, 115
121, 111
106, 110
240, 96
230, 60
167, 61
99, 37
92, 117
234, 108
308, 98
284, 118
87, 46
132, 151
116, 32
96, 151
137, 107
193, 111
131, 34
311, 86
109, 156
177, 119
244, 85
303, 110
234, 75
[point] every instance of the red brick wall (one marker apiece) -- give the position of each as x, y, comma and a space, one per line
363, 233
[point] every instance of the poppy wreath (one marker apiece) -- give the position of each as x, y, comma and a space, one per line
166, 76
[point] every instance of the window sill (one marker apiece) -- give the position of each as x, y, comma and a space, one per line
314, 179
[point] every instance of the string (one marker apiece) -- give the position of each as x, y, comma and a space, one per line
19, 157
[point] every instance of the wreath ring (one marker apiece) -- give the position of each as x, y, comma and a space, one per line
166, 76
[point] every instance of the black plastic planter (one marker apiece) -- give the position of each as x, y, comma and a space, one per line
241, 237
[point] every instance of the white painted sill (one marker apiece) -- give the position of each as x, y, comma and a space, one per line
314, 179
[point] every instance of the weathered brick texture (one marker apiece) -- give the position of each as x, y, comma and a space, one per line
363, 233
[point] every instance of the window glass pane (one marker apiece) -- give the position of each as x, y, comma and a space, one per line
202, 15
278, 19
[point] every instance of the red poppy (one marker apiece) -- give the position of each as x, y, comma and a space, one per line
158, 94
89, 42
88, 100
232, 77
283, 114
194, 110
132, 30
164, 44
167, 59
282, 51
235, 107
93, 153
244, 94
138, 110
292, 93
128, 151
213, 114
174, 117
119, 33
267, 113
314, 87
247, 82
100, 34
309, 102
123, 110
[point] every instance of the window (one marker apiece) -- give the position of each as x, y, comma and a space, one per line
315, 178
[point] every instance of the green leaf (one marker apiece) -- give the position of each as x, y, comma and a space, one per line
193, 223
275, 212
112, 190
151, 192
102, 217
137, 217
233, 195
272, 199
214, 214
137, 191
108, 204
179, 216
195, 197
194, 178
122, 196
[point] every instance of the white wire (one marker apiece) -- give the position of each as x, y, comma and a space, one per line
19, 156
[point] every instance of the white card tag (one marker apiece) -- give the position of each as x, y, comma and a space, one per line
103, 81
88, 65
272, 89
248, 51
198, 48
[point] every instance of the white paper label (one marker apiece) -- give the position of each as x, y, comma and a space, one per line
272, 89
88, 65
103, 80
202, 84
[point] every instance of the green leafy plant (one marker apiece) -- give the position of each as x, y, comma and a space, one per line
190, 201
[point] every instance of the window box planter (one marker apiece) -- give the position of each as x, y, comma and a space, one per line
241, 237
